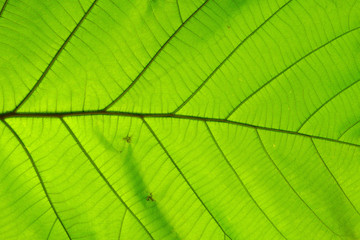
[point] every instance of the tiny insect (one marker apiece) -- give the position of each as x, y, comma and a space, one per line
150, 198
127, 139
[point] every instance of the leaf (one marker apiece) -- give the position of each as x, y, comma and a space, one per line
180, 119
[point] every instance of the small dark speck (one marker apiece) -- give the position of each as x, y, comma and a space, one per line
127, 139
150, 198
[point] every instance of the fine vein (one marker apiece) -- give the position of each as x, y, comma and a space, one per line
183, 176
103, 177
53, 60
332, 175
325, 103
287, 68
153, 58
241, 182
227, 58
291, 187
38, 175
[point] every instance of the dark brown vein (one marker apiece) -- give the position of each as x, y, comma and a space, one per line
183, 176
239, 179
38, 175
291, 187
325, 103
287, 68
53, 60
3, 7
332, 175
103, 177
153, 58
227, 58
167, 115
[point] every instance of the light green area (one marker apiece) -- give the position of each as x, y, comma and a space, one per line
180, 119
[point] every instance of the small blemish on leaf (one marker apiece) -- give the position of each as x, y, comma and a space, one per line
127, 139
150, 197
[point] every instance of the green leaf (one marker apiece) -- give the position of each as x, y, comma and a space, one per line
180, 119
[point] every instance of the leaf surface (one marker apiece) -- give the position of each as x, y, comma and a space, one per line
180, 119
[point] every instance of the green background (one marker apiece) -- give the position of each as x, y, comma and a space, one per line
240, 117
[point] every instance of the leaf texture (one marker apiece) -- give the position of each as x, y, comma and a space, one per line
180, 119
